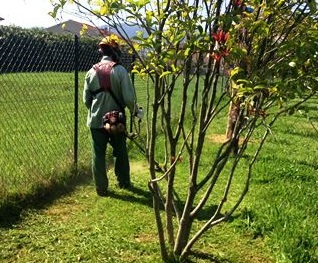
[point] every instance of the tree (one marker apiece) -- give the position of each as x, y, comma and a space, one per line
259, 55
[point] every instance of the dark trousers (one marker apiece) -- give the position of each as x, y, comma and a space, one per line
100, 140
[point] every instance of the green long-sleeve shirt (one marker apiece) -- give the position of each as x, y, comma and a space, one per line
103, 102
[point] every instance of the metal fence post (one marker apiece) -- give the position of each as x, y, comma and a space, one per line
76, 66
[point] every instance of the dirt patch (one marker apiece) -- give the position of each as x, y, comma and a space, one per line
221, 138
62, 211
139, 167
217, 138
145, 238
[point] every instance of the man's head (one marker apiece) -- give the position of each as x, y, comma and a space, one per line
109, 46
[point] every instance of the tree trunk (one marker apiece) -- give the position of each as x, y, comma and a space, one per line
233, 117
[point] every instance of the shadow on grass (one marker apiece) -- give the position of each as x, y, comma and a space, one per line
206, 257
12, 208
133, 195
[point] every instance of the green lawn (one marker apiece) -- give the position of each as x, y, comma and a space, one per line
67, 222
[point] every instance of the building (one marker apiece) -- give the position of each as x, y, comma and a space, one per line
75, 28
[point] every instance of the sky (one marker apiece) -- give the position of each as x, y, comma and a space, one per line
30, 13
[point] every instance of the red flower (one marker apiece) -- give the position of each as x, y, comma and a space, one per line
218, 55
237, 3
225, 52
221, 50
221, 36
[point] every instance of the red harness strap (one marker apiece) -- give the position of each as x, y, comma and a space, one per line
103, 70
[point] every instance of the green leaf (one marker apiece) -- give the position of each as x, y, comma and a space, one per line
55, 10
243, 81
312, 6
187, 51
165, 73
236, 71
141, 3
200, 28
115, 5
259, 87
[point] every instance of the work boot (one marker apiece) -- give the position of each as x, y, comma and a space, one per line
124, 185
102, 192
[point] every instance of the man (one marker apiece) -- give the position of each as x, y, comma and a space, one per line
99, 102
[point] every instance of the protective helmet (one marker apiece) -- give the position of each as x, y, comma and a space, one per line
111, 40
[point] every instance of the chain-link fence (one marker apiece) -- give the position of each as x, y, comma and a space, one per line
42, 118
